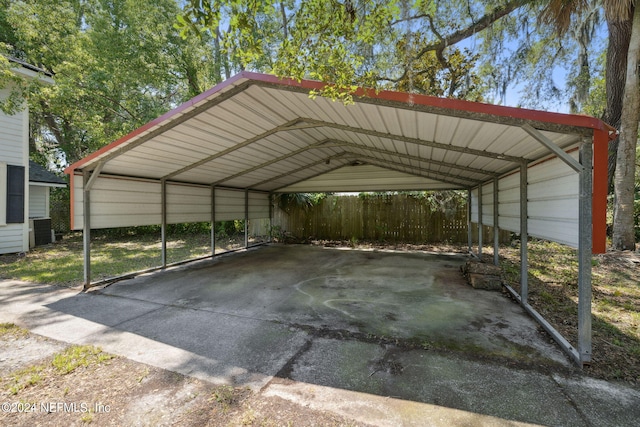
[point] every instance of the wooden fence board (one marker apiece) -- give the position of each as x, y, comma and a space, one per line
385, 218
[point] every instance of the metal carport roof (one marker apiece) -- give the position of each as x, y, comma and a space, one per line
256, 132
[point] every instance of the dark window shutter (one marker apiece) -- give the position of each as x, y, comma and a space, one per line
15, 194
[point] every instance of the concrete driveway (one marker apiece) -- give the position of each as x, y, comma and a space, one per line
386, 338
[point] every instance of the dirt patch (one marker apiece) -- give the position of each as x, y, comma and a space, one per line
112, 390
18, 349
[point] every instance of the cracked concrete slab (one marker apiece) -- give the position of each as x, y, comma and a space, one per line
388, 338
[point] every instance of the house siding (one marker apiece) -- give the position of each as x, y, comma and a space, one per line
38, 201
14, 151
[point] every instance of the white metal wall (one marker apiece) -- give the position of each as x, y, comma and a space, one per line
119, 202
229, 204
552, 202
258, 205
187, 203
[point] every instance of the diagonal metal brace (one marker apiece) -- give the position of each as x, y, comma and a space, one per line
562, 155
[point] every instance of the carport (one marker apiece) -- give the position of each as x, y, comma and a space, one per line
223, 154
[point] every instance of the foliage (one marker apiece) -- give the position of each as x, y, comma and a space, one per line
117, 65
14, 100
10, 329
553, 292
288, 201
452, 74
352, 43
78, 356
596, 102
323, 40
229, 228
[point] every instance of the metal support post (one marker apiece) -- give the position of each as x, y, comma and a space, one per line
524, 234
213, 220
270, 231
496, 228
469, 230
246, 218
86, 228
480, 242
163, 221
585, 240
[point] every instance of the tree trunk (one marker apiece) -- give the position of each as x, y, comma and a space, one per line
619, 35
623, 232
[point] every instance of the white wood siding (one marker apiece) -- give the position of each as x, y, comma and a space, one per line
12, 239
13, 139
38, 201
14, 150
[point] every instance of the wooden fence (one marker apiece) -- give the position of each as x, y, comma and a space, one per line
384, 218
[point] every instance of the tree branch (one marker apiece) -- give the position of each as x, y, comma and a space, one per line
409, 18
480, 25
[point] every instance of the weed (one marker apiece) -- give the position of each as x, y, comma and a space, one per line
547, 297
248, 418
143, 375
23, 378
87, 418
225, 395
7, 329
76, 356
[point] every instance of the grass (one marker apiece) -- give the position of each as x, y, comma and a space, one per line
9, 329
77, 356
553, 291
62, 363
23, 378
62, 263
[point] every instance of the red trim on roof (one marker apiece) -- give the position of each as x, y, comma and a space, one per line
447, 103
600, 189
400, 97
155, 122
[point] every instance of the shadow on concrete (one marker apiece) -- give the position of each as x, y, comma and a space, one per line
401, 325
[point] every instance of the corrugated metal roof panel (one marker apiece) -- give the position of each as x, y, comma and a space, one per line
363, 178
252, 130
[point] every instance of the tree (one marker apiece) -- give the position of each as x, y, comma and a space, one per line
623, 222
117, 65
349, 43
623, 101
354, 43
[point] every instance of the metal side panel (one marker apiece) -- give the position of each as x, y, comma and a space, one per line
118, 202
187, 203
230, 204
